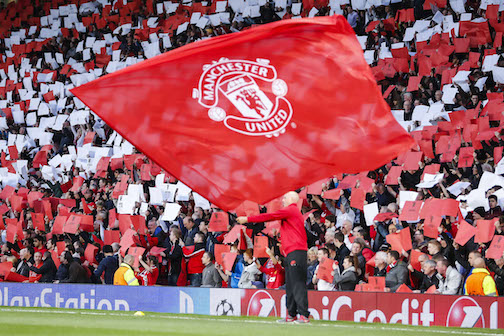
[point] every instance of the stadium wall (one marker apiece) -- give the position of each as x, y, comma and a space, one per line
410, 309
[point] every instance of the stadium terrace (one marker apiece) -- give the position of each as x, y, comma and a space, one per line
415, 239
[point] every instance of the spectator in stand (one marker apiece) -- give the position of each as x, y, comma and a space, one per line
408, 111
149, 274
47, 270
341, 249
495, 210
366, 252
435, 249
108, 265
76, 273
496, 266
323, 285
62, 272
314, 229
477, 214
344, 212
383, 195
358, 232
381, 229
250, 272
312, 266
274, 271
499, 226
419, 241
427, 278
397, 273
38, 244
480, 282
357, 246
352, 17
332, 250
232, 277
5, 250
211, 276
125, 276
329, 236
35, 276
194, 264
346, 229
347, 280
380, 264
450, 279
467, 264
198, 215
392, 228
190, 231
174, 255
26, 260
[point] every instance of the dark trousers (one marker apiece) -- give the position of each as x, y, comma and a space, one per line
295, 283
195, 279
172, 279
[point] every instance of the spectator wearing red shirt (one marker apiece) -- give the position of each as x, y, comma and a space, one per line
495, 210
275, 273
33, 276
47, 270
149, 275
195, 266
38, 244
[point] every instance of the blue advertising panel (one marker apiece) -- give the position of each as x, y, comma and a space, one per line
102, 297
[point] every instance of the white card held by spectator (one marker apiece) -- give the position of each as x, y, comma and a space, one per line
221, 6
406, 196
156, 196
370, 212
430, 180
171, 211
457, 188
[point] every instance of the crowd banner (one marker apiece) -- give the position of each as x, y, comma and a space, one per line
401, 308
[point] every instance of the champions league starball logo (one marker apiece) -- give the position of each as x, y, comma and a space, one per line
243, 83
224, 308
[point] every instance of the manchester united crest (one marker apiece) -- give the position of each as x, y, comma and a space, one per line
257, 96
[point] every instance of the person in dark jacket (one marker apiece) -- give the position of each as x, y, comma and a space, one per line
341, 250
497, 266
76, 273
357, 248
174, 256
48, 268
109, 265
347, 280
380, 264
62, 272
427, 277
23, 266
191, 230
397, 273
312, 266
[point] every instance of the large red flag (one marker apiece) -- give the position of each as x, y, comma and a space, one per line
251, 115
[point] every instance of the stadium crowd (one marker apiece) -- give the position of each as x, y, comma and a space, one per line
79, 204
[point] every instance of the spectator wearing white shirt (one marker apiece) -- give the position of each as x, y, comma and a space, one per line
343, 213
322, 285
